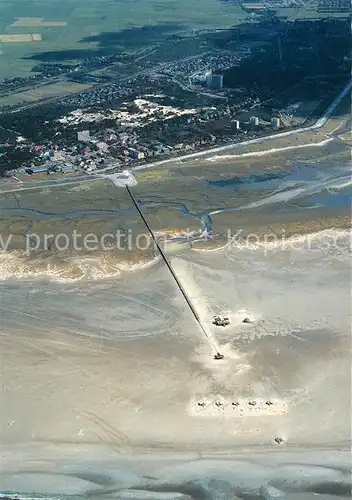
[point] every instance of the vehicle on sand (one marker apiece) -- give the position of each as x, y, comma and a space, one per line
219, 321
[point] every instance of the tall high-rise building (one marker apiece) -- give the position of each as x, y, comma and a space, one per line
215, 81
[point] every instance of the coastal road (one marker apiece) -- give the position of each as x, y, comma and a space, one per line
318, 124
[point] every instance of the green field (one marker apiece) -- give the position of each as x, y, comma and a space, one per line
87, 18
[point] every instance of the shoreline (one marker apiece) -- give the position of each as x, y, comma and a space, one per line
263, 473
73, 270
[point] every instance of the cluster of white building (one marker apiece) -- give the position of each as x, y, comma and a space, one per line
254, 122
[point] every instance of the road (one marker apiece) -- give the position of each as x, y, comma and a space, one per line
318, 124
219, 149
196, 91
61, 78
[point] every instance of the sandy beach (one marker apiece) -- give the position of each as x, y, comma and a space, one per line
125, 369
109, 386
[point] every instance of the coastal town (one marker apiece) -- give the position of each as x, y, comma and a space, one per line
175, 237
135, 111
115, 148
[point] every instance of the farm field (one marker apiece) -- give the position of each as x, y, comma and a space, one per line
43, 92
20, 38
67, 24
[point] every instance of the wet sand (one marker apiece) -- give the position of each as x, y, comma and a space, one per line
121, 365
108, 383
92, 356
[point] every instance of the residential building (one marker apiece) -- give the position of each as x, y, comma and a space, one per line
215, 81
83, 136
275, 122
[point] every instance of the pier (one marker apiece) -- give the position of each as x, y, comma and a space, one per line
208, 337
